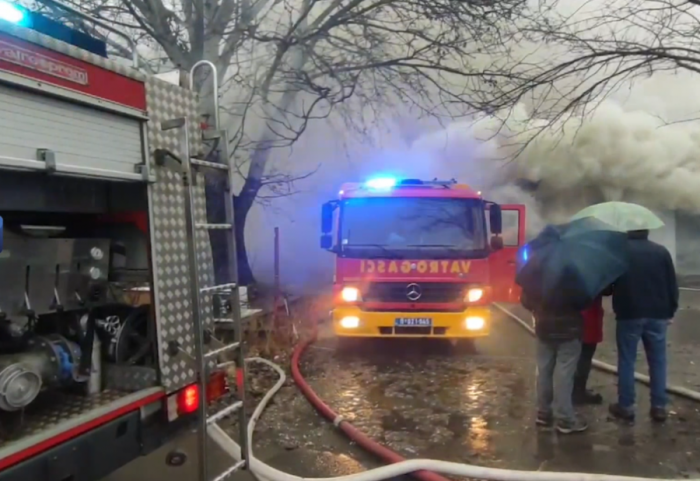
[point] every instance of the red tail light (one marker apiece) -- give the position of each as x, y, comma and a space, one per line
188, 400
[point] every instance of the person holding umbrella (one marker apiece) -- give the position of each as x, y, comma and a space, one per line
561, 272
645, 300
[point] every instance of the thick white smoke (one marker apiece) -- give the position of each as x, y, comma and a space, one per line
642, 144
636, 149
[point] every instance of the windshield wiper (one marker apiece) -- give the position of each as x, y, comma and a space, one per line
444, 246
451, 251
389, 254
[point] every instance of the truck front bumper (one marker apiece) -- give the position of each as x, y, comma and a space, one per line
352, 321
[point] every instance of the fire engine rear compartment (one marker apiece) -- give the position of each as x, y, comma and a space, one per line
75, 274
41, 274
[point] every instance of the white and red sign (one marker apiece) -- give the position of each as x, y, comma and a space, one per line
42, 63
30, 60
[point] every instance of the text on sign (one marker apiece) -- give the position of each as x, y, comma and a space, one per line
421, 267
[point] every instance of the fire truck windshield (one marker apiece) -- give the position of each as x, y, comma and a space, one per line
405, 227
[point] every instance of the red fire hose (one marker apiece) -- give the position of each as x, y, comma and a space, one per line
350, 431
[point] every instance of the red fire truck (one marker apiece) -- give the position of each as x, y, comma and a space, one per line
419, 258
108, 301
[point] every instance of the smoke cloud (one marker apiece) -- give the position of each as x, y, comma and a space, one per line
642, 144
643, 148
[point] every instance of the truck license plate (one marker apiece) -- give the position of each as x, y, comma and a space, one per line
413, 322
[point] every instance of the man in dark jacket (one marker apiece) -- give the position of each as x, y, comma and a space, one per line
558, 334
645, 300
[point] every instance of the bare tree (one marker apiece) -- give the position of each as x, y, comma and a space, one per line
285, 63
583, 51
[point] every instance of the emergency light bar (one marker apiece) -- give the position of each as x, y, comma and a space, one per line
18, 15
10, 12
385, 183
381, 183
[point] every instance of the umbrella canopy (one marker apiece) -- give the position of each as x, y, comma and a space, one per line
623, 216
568, 266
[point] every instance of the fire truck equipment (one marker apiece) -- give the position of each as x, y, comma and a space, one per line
50, 361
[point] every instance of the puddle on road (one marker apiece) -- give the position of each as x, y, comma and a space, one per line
396, 421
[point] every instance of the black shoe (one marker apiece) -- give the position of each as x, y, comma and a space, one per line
544, 420
587, 397
571, 427
658, 415
619, 412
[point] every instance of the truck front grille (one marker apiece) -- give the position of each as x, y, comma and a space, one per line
430, 292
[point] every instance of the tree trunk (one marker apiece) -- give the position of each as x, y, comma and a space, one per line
219, 248
242, 205
215, 193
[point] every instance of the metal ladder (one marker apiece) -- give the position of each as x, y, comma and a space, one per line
203, 358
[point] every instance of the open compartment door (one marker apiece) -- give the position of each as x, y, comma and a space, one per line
502, 262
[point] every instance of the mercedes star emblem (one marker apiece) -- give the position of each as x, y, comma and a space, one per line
413, 292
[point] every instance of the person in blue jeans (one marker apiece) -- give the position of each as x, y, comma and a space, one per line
645, 300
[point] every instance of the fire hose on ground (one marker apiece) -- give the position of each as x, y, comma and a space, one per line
423, 469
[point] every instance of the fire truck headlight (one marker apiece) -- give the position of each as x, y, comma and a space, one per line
350, 322
350, 294
474, 295
474, 323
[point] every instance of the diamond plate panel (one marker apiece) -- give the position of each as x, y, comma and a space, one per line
64, 48
49, 412
129, 378
169, 241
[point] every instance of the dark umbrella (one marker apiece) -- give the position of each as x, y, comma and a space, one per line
569, 265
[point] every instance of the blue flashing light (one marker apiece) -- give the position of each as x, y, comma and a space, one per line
524, 254
381, 183
12, 13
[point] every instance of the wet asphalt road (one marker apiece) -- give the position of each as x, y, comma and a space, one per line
427, 399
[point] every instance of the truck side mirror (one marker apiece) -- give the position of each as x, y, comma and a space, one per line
326, 241
496, 243
495, 219
327, 217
